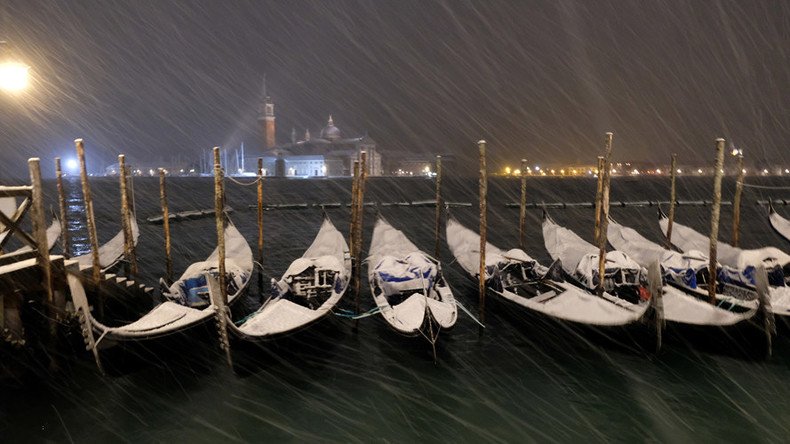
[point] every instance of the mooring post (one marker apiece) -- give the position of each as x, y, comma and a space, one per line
672, 198
656, 300
598, 195
64, 225
86, 194
602, 235
40, 235
736, 204
765, 310
260, 212
522, 210
165, 225
126, 219
360, 216
353, 222
715, 212
483, 185
437, 227
219, 217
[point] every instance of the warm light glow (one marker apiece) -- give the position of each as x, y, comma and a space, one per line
13, 76
699, 171
658, 171
679, 171
517, 172
507, 170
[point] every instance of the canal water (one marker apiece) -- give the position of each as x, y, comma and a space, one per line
520, 379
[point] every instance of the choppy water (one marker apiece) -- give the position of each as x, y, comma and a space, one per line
523, 379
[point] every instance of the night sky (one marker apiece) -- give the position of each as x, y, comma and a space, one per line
537, 79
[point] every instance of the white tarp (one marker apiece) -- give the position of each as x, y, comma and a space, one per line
392, 254
329, 251
687, 239
568, 302
780, 224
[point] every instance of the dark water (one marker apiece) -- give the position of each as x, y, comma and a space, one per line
523, 379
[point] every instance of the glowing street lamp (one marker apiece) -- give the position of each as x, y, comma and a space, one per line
14, 76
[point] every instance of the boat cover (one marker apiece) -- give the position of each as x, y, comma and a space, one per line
780, 224
746, 261
396, 265
329, 251
687, 239
561, 300
681, 270
173, 316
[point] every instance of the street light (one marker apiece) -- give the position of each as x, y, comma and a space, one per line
14, 75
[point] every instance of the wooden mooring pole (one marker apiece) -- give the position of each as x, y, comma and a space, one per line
352, 232
715, 212
358, 231
483, 185
604, 214
219, 217
260, 213
40, 235
86, 193
522, 211
598, 194
736, 204
165, 225
126, 219
438, 225
672, 198
64, 224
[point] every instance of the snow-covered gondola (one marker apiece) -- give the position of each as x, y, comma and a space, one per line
686, 277
53, 234
779, 223
775, 261
516, 277
407, 284
112, 252
188, 301
307, 292
625, 281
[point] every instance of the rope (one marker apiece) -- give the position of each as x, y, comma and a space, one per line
468, 313
244, 184
343, 313
763, 187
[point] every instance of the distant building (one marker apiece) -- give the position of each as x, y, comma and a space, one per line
329, 154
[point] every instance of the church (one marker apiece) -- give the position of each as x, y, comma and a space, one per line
329, 153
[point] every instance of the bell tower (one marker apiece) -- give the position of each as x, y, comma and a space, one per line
266, 119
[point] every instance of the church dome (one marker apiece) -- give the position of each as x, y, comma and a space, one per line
330, 131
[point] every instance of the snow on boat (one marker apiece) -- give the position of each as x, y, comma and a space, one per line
625, 281
407, 284
686, 295
516, 277
308, 290
779, 223
775, 261
188, 299
112, 252
53, 234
